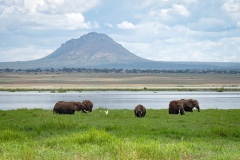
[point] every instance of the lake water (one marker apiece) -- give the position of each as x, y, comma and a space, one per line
119, 99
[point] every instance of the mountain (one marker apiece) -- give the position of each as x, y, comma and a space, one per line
90, 50
94, 50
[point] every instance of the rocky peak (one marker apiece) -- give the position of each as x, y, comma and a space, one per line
93, 48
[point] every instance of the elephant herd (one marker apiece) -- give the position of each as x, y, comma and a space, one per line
175, 106
183, 105
62, 107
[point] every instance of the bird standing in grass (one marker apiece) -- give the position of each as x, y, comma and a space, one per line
106, 112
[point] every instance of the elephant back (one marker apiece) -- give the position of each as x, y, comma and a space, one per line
62, 107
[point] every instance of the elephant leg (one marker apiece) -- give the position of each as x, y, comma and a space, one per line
172, 112
188, 109
70, 111
182, 111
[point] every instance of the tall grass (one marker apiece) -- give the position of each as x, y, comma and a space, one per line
40, 134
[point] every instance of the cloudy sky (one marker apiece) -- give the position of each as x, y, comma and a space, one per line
164, 30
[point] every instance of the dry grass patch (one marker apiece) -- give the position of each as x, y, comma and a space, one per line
116, 80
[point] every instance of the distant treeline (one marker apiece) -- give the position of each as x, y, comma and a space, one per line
114, 70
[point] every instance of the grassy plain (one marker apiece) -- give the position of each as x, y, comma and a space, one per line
118, 81
39, 134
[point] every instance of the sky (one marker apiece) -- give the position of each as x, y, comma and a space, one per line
160, 30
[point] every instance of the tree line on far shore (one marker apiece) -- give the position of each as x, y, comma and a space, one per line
114, 70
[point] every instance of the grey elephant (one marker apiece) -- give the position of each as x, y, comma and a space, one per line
189, 104
176, 106
140, 111
62, 107
88, 104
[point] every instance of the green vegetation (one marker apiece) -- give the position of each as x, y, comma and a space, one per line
40, 134
220, 89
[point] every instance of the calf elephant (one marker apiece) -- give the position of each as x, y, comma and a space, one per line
88, 104
140, 111
62, 107
189, 104
175, 107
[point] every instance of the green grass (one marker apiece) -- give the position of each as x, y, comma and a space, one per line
40, 134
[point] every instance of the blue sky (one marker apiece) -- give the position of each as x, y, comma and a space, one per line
162, 30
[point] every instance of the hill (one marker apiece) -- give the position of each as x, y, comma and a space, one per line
94, 50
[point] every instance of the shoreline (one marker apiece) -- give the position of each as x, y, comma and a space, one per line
66, 89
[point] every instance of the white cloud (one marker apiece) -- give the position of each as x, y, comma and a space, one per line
190, 1
238, 24
180, 9
60, 6
108, 25
23, 54
158, 41
126, 25
224, 50
209, 24
75, 20
48, 14
168, 14
140, 49
231, 6
14, 2
232, 9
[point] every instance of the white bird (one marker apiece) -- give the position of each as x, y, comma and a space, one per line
106, 112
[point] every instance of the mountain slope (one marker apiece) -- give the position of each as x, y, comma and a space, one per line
93, 49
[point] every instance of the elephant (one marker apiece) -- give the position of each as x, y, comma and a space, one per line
62, 107
140, 111
88, 104
176, 106
189, 104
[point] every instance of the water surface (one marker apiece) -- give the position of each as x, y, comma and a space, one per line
119, 99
